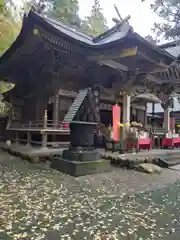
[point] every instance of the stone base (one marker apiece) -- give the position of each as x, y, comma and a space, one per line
77, 168
80, 155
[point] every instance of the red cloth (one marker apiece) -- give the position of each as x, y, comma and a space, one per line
65, 125
145, 143
171, 142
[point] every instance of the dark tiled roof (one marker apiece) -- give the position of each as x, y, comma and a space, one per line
118, 33
113, 37
175, 51
172, 47
113, 34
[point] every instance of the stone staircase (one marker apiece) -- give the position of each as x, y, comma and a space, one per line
69, 117
167, 158
172, 158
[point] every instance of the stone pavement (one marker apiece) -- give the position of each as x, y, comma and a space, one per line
35, 200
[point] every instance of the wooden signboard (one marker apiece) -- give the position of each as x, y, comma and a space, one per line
128, 52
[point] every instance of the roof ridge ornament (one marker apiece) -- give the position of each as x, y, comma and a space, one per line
37, 6
120, 22
118, 26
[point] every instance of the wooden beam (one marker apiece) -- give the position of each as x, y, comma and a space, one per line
158, 64
113, 64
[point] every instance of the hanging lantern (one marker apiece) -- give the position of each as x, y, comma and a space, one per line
116, 113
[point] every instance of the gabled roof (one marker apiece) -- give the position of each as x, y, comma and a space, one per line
115, 37
116, 32
172, 47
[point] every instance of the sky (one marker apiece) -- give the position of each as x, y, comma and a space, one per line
142, 17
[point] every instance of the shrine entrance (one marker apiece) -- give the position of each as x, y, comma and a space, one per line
106, 117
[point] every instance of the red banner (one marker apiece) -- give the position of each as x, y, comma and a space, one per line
172, 124
116, 113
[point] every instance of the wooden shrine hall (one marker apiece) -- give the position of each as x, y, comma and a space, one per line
52, 66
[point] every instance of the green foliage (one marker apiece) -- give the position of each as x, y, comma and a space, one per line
95, 24
8, 32
169, 11
2, 6
4, 87
66, 11
150, 39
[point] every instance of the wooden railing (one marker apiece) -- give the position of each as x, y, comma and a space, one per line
156, 130
39, 124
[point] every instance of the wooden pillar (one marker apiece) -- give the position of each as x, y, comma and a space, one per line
56, 111
167, 120
44, 134
44, 140
126, 108
28, 139
126, 117
145, 116
45, 119
153, 113
41, 105
96, 94
17, 138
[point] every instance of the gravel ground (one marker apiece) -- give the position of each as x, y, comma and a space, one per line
36, 201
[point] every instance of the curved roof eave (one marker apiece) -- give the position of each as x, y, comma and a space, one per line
61, 30
155, 47
88, 41
28, 24
33, 18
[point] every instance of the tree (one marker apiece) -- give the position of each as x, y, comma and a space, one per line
150, 39
8, 33
2, 6
66, 11
96, 23
169, 11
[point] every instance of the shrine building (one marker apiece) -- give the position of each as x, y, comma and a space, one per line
51, 65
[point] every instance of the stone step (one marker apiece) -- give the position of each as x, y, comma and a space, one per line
173, 162
75, 106
172, 159
175, 167
169, 158
172, 156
